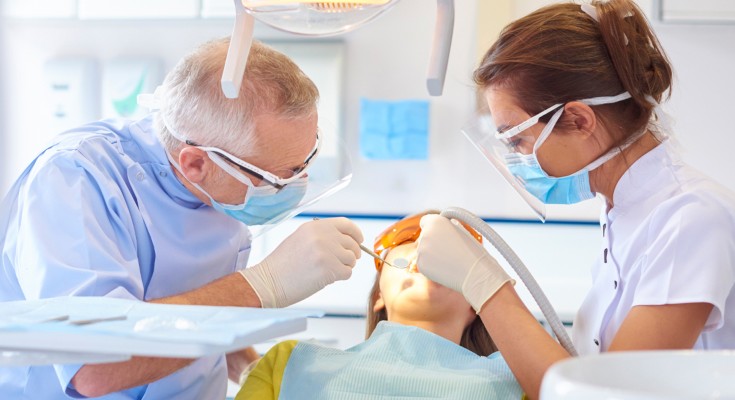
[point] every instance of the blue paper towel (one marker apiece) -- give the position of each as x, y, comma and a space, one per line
394, 130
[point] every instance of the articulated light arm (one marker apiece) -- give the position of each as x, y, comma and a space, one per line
237, 55
242, 36
442, 43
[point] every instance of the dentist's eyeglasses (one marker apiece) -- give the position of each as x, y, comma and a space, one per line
279, 180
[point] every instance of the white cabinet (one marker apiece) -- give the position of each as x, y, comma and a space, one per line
118, 10
39, 8
138, 9
70, 92
700, 11
218, 9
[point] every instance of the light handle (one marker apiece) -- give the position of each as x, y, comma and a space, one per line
442, 43
237, 55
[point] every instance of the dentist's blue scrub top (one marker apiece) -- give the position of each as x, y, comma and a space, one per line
100, 213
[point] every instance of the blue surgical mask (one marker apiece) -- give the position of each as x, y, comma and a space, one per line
568, 189
261, 204
260, 209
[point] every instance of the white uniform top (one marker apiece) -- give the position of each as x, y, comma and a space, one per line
101, 213
669, 239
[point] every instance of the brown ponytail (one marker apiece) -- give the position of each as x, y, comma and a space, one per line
559, 54
638, 57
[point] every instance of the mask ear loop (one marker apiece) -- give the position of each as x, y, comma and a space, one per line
596, 101
614, 152
619, 149
222, 164
178, 168
591, 102
547, 129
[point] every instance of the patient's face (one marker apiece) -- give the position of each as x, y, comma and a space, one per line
407, 295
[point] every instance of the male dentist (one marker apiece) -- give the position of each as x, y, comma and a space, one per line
157, 210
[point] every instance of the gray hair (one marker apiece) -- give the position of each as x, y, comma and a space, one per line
194, 106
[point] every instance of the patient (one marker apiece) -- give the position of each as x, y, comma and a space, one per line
423, 341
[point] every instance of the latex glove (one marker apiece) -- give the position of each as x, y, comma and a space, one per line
316, 254
450, 256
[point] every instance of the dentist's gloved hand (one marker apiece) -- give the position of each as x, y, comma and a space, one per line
316, 254
450, 256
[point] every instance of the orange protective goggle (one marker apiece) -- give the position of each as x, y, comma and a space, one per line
405, 231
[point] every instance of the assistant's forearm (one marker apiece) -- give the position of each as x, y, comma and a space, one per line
99, 379
527, 348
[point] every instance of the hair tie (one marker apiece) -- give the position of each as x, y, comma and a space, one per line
590, 10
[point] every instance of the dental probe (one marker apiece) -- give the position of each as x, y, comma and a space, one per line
400, 263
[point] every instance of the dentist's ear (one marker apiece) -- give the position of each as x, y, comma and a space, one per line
580, 117
194, 164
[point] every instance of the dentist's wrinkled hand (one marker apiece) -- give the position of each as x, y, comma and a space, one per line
450, 256
318, 253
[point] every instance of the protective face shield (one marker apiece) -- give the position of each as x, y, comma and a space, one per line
505, 151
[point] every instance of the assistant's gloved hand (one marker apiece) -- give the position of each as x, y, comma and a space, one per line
450, 256
317, 254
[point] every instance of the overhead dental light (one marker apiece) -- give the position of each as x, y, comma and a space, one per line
325, 18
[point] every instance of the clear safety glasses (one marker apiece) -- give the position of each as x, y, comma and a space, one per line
514, 142
406, 231
277, 179
497, 146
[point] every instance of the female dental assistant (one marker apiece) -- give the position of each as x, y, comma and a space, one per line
574, 92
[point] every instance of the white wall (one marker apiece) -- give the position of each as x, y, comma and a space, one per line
384, 60
387, 60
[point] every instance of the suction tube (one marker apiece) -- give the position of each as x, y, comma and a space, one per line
523, 273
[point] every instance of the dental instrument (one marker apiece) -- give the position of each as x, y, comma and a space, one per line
400, 263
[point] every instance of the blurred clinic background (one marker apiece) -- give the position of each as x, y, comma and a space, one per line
67, 62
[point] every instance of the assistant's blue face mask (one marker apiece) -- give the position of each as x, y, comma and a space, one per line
568, 189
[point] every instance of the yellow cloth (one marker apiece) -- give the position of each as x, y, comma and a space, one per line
264, 381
